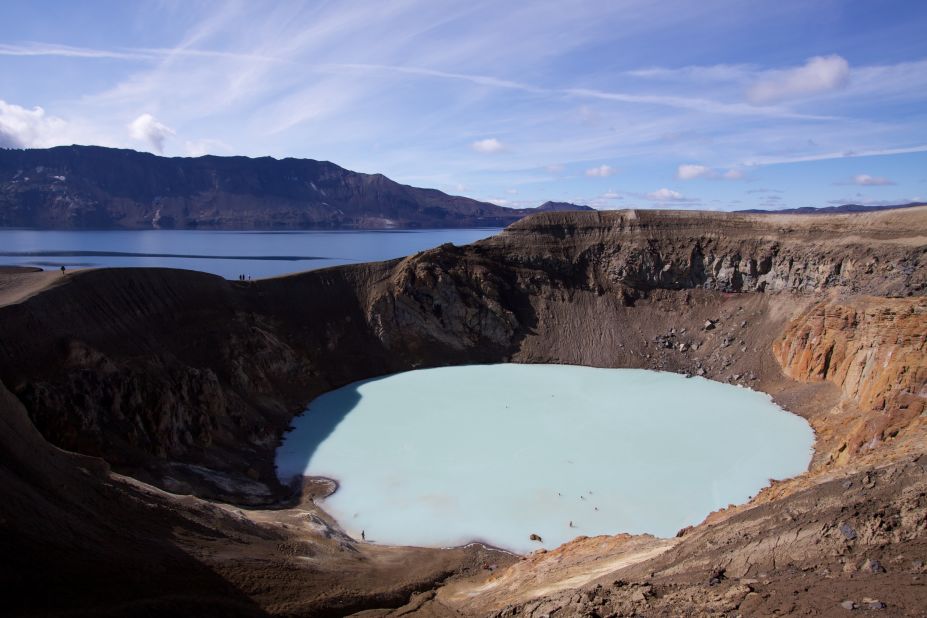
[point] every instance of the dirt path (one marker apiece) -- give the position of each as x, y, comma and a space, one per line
19, 283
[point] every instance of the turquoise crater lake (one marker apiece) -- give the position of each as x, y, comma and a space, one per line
495, 453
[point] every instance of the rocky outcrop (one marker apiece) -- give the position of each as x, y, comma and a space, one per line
872, 348
443, 298
878, 253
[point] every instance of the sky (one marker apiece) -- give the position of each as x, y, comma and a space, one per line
612, 103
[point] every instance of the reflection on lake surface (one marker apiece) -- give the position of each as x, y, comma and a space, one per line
228, 254
496, 453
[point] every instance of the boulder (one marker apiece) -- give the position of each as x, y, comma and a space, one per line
872, 566
848, 532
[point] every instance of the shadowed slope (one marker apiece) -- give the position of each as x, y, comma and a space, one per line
74, 539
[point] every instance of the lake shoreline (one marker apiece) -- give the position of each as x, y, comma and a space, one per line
543, 478
230, 254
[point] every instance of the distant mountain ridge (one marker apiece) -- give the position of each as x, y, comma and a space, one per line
811, 210
87, 187
93, 187
560, 207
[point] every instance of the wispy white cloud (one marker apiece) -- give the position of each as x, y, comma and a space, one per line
691, 171
865, 180
67, 51
884, 84
733, 174
826, 156
818, 75
825, 78
479, 80
489, 145
144, 54
697, 104
510, 203
666, 195
680, 102
695, 73
601, 171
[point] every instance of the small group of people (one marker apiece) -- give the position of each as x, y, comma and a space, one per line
244, 278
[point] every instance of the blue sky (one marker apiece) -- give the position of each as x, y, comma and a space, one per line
618, 104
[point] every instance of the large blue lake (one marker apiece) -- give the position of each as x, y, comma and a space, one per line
228, 254
496, 453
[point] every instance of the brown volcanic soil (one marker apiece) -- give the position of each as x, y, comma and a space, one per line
186, 382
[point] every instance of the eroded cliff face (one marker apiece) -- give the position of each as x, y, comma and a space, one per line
443, 298
730, 252
874, 350
500, 284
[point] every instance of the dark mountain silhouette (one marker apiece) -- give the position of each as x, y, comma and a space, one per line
74, 187
560, 207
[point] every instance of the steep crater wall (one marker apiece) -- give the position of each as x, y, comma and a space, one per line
873, 349
189, 380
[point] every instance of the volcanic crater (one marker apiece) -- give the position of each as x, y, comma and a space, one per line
142, 409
